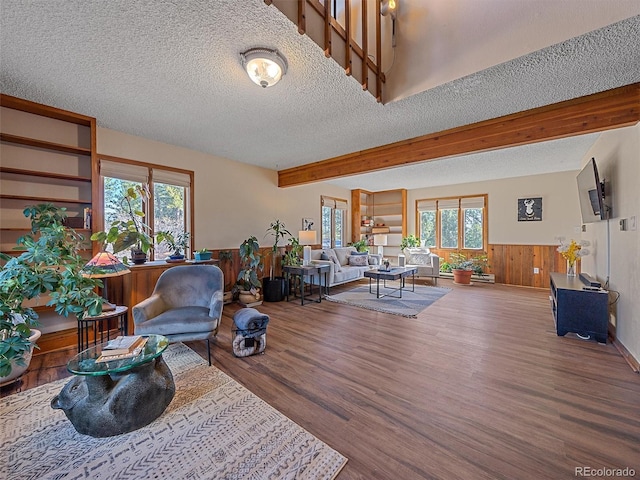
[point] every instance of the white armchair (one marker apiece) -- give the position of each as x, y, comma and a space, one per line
428, 263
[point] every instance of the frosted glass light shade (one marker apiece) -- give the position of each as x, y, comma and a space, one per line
264, 66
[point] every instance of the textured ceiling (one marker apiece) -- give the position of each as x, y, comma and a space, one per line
170, 71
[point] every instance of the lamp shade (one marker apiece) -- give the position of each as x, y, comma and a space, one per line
380, 240
264, 66
307, 237
104, 265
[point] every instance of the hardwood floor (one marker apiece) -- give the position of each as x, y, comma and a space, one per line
477, 387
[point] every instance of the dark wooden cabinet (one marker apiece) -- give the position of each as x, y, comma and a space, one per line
578, 309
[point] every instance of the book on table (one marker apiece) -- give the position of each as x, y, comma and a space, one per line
136, 349
122, 344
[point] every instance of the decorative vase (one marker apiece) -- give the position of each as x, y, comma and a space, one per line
571, 269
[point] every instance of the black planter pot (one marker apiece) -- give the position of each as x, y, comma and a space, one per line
273, 289
138, 257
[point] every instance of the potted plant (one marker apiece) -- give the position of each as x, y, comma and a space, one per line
132, 233
361, 245
202, 255
292, 256
49, 264
248, 284
178, 243
463, 267
273, 287
410, 241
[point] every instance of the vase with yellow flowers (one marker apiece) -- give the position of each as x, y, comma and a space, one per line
571, 251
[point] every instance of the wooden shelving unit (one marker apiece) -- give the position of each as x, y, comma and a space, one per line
48, 155
380, 213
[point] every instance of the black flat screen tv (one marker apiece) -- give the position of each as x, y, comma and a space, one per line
591, 194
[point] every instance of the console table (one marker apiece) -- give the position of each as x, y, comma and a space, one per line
579, 308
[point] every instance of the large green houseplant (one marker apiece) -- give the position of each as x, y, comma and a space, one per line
50, 264
130, 233
248, 282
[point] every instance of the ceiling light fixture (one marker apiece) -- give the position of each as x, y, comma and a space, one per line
264, 66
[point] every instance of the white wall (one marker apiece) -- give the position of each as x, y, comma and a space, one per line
560, 207
232, 200
617, 155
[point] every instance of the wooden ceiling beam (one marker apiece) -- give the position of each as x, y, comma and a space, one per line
607, 110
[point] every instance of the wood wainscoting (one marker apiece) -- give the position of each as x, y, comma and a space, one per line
514, 264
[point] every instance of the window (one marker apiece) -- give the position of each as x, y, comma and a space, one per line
167, 208
334, 211
453, 223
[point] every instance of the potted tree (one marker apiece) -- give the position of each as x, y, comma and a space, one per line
273, 287
49, 264
131, 233
248, 283
177, 243
463, 267
361, 245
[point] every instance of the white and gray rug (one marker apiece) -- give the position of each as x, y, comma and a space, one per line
213, 429
410, 305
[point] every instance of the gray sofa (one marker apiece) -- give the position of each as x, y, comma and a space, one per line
342, 268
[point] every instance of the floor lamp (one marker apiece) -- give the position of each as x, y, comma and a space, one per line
105, 265
307, 238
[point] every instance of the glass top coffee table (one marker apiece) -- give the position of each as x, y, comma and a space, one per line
117, 396
395, 273
85, 363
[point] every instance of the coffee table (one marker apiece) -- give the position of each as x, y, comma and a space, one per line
396, 273
119, 396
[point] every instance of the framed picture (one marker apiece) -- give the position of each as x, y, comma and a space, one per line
530, 209
307, 224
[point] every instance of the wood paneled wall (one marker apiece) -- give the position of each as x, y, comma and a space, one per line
514, 264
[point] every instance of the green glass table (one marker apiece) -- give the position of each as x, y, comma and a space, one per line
85, 363
115, 397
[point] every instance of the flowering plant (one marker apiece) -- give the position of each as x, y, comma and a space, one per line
573, 250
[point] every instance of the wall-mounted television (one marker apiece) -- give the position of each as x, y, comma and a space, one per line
591, 194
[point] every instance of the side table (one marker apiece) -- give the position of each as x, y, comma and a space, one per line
110, 398
120, 313
308, 270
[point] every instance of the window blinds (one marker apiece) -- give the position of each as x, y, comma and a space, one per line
472, 202
171, 178
336, 203
124, 171
426, 205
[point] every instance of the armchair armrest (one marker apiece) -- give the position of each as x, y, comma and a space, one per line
435, 262
148, 308
377, 256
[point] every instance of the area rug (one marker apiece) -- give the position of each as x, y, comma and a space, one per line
410, 305
214, 428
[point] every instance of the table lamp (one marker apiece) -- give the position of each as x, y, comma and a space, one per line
105, 265
380, 241
307, 238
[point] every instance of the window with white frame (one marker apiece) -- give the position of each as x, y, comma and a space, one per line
334, 215
166, 209
453, 223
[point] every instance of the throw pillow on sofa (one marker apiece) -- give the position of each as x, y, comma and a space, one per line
359, 260
332, 256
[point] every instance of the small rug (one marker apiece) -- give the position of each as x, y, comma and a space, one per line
214, 428
410, 305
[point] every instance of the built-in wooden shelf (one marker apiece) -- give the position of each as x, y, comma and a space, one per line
32, 142
41, 199
37, 173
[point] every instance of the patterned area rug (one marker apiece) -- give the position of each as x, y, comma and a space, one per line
410, 305
213, 429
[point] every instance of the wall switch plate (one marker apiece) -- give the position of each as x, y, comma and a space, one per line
632, 223
584, 228
623, 224
536, 270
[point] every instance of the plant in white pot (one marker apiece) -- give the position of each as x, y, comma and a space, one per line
248, 283
50, 264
